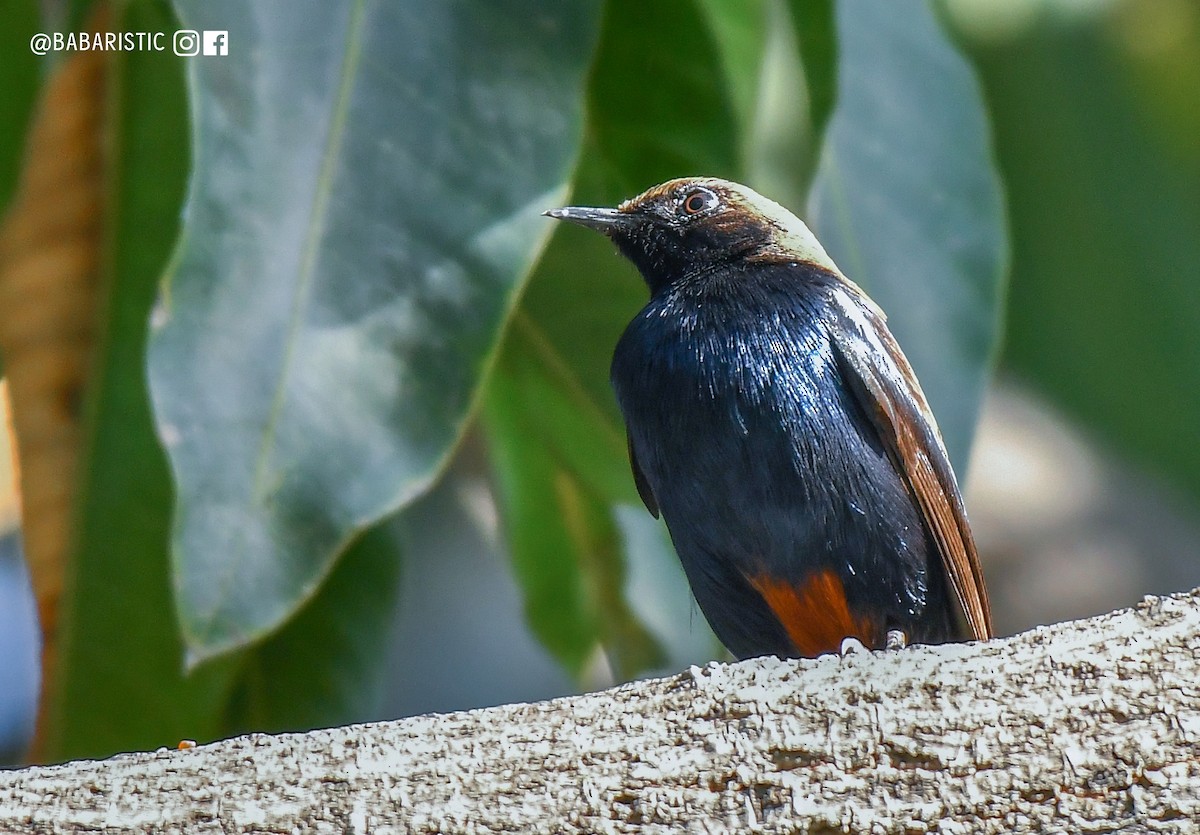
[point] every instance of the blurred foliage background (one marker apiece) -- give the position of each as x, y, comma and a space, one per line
310, 406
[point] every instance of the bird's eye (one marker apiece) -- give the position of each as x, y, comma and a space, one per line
698, 201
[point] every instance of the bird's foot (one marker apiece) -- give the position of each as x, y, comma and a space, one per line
850, 644
896, 639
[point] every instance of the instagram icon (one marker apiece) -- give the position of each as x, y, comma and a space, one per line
187, 42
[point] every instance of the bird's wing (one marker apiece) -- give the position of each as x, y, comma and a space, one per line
888, 391
639, 478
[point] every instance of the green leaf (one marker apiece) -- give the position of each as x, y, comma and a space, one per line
739, 31
781, 151
556, 437
327, 665
19, 71
816, 38
120, 685
121, 680
656, 111
73, 15
564, 542
366, 198
909, 205
1105, 206
771, 50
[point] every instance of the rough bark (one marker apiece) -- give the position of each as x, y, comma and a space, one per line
1088, 726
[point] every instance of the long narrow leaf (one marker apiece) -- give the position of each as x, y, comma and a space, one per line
558, 443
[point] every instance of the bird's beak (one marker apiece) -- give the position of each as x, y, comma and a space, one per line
604, 220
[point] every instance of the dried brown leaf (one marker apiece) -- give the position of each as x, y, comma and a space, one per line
50, 255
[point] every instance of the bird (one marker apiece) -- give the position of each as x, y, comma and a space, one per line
778, 429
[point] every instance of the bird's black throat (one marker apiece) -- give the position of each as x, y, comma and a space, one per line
664, 252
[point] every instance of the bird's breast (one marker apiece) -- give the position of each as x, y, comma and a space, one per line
761, 460
715, 370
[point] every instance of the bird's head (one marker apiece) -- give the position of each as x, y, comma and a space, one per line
688, 226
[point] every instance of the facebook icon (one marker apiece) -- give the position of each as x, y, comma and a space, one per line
216, 41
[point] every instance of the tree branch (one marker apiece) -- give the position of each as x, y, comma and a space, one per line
1085, 726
